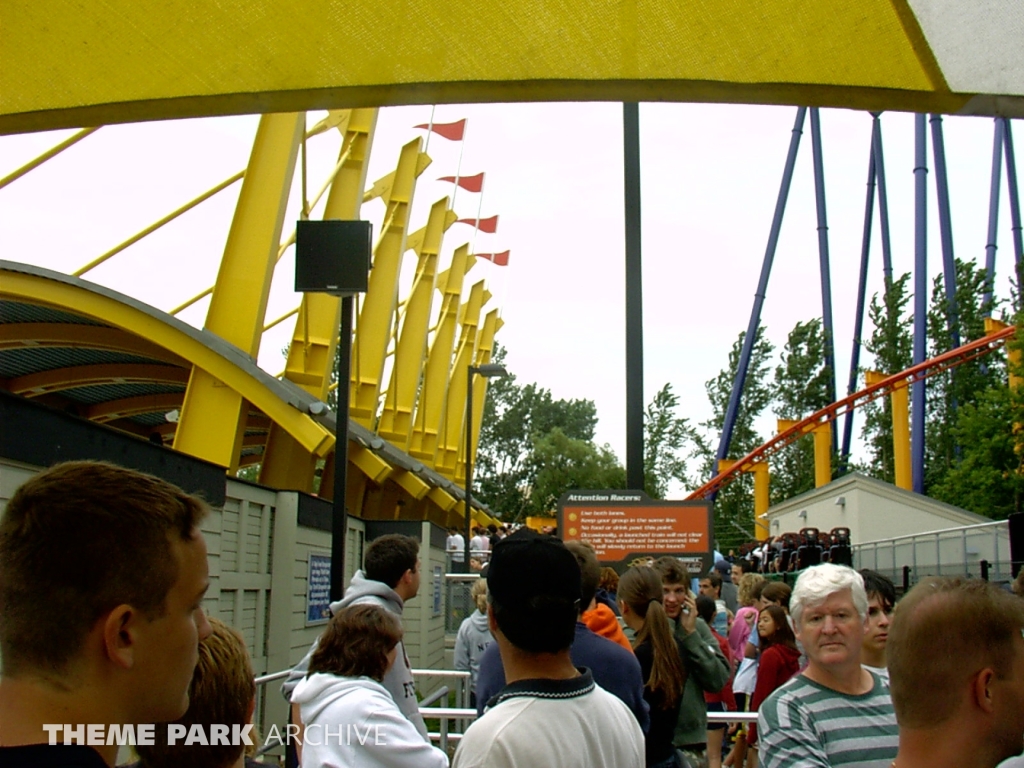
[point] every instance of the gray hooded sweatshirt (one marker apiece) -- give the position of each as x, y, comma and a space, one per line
473, 638
398, 681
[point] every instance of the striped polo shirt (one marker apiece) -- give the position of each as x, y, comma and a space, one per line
806, 725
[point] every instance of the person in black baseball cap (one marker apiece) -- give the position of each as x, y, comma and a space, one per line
534, 595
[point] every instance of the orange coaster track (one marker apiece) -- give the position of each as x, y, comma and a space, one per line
928, 368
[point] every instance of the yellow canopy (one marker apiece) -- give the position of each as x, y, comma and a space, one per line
65, 63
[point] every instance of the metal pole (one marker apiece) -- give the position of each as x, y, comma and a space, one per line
862, 286
920, 296
469, 459
634, 300
1011, 186
945, 231
339, 517
993, 217
759, 295
823, 260
883, 200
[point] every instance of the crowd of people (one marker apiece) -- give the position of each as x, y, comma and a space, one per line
571, 665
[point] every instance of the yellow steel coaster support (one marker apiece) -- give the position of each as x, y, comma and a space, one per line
430, 409
761, 486
373, 329
286, 464
410, 352
762, 481
1012, 354
823, 454
484, 350
455, 409
900, 400
213, 415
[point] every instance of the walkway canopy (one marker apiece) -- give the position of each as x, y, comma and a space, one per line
67, 64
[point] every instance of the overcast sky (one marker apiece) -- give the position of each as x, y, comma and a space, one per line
710, 179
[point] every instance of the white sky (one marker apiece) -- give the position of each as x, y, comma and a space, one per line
710, 179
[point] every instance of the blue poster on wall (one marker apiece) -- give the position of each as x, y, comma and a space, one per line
318, 589
438, 578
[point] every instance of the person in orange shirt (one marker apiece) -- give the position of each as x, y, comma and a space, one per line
599, 618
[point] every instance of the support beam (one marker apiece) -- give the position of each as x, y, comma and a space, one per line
286, 464
945, 232
634, 299
920, 296
899, 400
823, 259
762, 287
60, 379
1011, 186
862, 287
823, 454
213, 415
991, 244
484, 349
411, 349
431, 406
373, 330
455, 408
883, 199
762, 484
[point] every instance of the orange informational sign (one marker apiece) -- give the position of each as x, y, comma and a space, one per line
628, 527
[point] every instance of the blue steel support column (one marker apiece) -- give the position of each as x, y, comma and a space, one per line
762, 287
862, 287
1011, 186
993, 217
823, 260
634, 300
883, 199
945, 232
920, 296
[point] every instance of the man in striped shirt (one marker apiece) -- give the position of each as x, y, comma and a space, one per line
836, 714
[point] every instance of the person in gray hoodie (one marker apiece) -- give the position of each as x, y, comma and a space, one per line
351, 719
473, 638
390, 576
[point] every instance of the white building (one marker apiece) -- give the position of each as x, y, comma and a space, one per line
870, 508
891, 528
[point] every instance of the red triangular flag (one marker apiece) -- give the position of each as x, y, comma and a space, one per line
469, 183
489, 225
452, 131
498, 259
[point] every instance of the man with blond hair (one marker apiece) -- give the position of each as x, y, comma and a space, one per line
956, 666
102, 576
835, 714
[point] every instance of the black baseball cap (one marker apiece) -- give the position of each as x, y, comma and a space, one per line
527, 565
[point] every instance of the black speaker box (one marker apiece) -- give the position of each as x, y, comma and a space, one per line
332, 256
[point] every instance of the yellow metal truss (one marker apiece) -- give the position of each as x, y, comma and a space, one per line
212, 418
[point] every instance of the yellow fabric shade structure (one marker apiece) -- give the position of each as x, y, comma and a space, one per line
65, 64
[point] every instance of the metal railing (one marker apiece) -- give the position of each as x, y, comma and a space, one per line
453, 721
458, 603
972, 551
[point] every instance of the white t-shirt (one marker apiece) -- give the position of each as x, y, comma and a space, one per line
456, 546
565, 723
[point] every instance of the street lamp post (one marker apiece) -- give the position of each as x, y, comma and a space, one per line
490, 370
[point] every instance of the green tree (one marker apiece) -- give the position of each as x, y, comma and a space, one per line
734, 505
802, 383
560, 463
515, 417
891, 345
964, 384
666, 440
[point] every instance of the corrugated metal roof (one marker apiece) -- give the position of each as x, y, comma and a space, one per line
21, 362
21, 312
103, 393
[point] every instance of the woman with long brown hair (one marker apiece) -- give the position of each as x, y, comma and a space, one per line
780, 658
660, 656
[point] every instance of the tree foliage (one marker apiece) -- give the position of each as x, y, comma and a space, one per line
668, 439
802, 385
891, 345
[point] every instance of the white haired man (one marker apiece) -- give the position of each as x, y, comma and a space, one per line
836, 714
